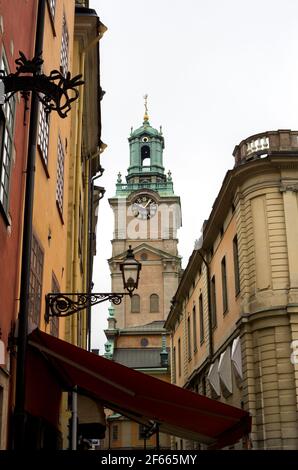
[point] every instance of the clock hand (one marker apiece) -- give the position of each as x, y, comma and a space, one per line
150, 200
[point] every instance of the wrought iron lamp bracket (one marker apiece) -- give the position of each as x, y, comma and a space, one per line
65, 304
56, 91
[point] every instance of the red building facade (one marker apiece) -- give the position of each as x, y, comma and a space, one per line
17, 33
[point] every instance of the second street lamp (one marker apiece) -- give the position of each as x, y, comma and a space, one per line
65, 304
130, 269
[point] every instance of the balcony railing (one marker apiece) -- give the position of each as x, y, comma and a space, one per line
256, 146
164, 188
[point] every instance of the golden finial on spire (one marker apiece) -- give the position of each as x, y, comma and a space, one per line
146, 117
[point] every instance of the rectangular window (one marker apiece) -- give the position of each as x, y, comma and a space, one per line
154, 303
7, 117
188, 338
43, 133
64, 48
54, 321
224, 285
174, 364
135, 303
60, 176
194, 326
35, 289
213, 303
115, 433
236, 265
201, 308
179, 357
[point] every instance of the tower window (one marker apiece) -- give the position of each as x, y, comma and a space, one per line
145, 154
135, 303
154, 303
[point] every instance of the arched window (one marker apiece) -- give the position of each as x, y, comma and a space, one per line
135, 303
154, 303
145, 154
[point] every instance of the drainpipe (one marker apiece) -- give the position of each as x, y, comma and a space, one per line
19, 412
74, 419
210, 331
76, 260
90, 240
85, 257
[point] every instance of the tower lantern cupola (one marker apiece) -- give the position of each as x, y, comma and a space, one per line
146, 168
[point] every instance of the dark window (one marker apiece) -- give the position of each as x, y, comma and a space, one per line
236, 265
7, 114
154, 303
54, 321
194, 326
201, 308
179, 357
43, 133
188, 338
36, 272
213, 303
145, 154
64, 49
115, 432
60, 176
174, 364
135, 303
224, 285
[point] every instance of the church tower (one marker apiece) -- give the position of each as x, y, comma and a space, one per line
147, 216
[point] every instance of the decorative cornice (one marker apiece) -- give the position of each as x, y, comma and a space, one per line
289, 187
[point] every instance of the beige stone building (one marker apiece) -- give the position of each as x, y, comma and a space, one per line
234, 319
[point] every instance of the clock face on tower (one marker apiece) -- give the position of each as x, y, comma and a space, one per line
144, 207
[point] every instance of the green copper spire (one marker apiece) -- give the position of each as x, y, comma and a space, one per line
146, 170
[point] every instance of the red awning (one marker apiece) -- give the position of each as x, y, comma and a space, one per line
141, 397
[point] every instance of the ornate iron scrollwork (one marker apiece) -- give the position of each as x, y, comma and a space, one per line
64, 305
55, 91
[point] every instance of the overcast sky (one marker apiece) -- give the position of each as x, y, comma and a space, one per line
216, 72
